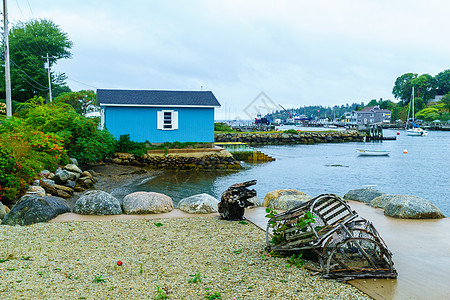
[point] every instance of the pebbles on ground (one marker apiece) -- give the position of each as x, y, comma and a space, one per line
192, 258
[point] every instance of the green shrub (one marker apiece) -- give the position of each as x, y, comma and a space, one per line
9, 182
128, 146
25, 143
42, 137
81, 137
93, 148
222, 127
291, 131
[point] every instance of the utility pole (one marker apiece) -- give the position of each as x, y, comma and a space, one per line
49, 80
7, 67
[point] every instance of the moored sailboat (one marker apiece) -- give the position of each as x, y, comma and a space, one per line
415, 130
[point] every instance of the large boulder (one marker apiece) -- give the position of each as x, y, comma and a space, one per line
412, 207
147, 203
285, 199
31, 209
97, 202
199, 204
364, 195
382, 201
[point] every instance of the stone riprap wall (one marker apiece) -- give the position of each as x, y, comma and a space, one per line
222, 160
283, 138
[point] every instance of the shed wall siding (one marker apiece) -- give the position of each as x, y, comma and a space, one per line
194, 124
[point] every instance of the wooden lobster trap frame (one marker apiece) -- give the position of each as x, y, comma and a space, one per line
346, 245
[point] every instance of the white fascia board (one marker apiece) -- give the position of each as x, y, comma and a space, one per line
152, 105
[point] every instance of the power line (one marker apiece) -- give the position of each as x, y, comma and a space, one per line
20, 9
27, 74
82, 83
24, 79
30, 8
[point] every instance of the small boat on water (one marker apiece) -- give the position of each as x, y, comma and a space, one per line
362, 152
416, 131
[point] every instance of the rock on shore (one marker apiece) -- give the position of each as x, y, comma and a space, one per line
285, 199
31, 209
199, 204
382, 201
364, 195
147, 203
97, 203
412, 207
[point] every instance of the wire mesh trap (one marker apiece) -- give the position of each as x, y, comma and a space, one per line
345, 245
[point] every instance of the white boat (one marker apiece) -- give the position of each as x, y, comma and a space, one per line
415, 130
362, 152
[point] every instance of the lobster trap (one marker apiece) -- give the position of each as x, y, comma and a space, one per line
345, 245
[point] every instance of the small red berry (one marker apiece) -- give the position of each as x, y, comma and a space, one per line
119, 263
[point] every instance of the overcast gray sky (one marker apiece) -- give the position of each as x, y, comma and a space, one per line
298, 53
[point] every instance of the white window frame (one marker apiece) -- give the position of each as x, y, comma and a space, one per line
167, 120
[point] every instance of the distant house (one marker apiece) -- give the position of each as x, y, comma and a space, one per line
159, 116
373, 115
350, 118
436, 100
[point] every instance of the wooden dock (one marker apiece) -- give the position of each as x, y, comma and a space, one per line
375, 133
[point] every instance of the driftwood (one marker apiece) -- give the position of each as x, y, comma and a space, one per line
235, 199
346, 245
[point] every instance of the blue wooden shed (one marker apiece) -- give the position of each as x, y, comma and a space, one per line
159, 116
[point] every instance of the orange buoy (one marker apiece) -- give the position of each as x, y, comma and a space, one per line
405, 151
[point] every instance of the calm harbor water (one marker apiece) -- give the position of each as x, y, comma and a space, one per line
327, 168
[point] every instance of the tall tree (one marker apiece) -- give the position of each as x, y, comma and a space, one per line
424, 87
402, 87
29, 44
372, 102
443, 82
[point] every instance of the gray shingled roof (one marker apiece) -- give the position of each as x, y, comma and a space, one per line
156, 98
376, 108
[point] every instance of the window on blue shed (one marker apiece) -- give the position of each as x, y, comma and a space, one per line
167, 120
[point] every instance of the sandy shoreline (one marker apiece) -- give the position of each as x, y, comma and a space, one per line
77, 260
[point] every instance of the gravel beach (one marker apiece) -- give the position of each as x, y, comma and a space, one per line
191, 258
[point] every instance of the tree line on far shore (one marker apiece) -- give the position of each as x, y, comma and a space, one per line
426, 88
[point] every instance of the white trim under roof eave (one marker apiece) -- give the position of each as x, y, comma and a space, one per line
154, 105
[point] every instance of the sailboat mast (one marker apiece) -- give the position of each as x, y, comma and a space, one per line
413, 105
